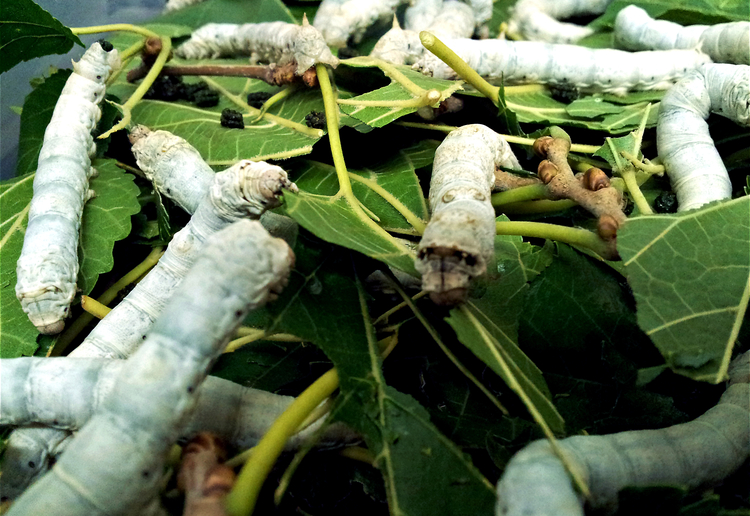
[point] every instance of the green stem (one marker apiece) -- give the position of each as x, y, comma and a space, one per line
522, 193
94, 307
394, 73
430, 127
307, 131
424, 100
332, 123
244, 495
628, 175
568, 235
646, 167
115, 27
284, 93
534, 207
467, 73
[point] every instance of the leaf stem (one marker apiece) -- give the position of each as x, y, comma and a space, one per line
394, 73
539, 206
522, 193
568, 235
430, 127
115, 27
278, 97
332, 124
426, 99
243, 497
650, 168
628, 175
94, 307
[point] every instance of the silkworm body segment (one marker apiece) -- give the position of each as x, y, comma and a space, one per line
537, 20
48, 265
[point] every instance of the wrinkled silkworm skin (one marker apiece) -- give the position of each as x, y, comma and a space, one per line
537, 20
272, 42
482, 11
420, 14
245, 190
399, 46
176, 5
66, 392
156, 390
173, 165
48, 266
695, 169
697, 454
458, 243
723, 43
597, 70
339, 20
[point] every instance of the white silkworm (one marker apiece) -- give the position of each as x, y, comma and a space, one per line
590, 69
421, 13
724, 43
399, 46
339, 20
157, 387
695, 169
176, 5
48, 266
246, 189
67, 392
697, 454
537, 20
458, 242
272, 42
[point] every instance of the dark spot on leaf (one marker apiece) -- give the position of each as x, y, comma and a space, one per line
665, 202
316, 120
258, 98
232, 119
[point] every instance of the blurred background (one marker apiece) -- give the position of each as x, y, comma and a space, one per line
14, 84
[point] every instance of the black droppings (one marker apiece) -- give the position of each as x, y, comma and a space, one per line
166, 87
232, 119
258, 98
316, 120
665, 202
106, 45
565, 92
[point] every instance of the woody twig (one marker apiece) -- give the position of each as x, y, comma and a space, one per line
203, 477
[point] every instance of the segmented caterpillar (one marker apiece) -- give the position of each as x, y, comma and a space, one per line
420, 14
240, 268
48, 266
175, 5
246, 189
272, 42
67, 392
537, 20
590, 69
458, 243
724, 43
693, 164
339, 20
697, 454
399, 46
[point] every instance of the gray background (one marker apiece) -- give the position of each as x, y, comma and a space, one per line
14, 84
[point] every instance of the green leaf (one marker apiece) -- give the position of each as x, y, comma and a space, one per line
27, 31
623, 143
591, 107
381, 116
689, 12
37, 112
690, 274
334, 220
394, 178
106, 218
228, 11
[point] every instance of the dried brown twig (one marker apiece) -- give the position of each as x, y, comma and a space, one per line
203, 477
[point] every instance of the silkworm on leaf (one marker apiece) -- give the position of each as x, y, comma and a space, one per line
695, 169
698, 454
589, 69
176, 5
339, 20
67, 392
245, 190
156, 389
537, 20
271, 42
48, 266
399, 46
723, 43
458, 242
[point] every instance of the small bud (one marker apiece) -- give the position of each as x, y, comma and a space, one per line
595, 179
547, 170
607, 227
541, 145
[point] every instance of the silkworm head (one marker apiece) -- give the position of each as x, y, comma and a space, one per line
310, 48
595, 179
547, 171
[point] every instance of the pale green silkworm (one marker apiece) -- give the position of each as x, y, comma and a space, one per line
271, 42
697, 454
724, 42
157, 387
458, 243
245, 190
48, 266
537, 20
695, 169
66, 392
589, 69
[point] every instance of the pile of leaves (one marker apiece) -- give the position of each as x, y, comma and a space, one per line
593, 346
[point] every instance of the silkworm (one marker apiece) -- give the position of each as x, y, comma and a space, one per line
156, 389
724, 42
176, 5
246, 189
697, 454
695, 169
537, 20
590, 69
399, 46
66, 392
458, 242
339, 20
272, 42
48, 266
